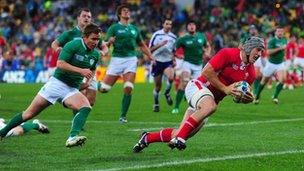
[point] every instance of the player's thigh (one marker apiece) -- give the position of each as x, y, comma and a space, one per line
282, 74
129, 77
37, 105
91, 95
77, 101
110, 79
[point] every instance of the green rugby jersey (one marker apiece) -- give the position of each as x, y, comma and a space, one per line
192, 44
70, 35
77, 54
277, 57
127, 38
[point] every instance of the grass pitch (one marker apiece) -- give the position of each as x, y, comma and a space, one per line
237, 137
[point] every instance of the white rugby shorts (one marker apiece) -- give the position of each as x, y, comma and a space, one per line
56, 90
120, 66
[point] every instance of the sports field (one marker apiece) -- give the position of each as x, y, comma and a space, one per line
237, 137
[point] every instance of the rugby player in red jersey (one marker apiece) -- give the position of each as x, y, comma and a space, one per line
218, 78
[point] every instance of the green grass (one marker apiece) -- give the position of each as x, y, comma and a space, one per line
250, 145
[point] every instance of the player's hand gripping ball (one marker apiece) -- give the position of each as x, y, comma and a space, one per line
245, 95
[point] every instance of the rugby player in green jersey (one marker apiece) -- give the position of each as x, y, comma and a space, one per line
125, 38
77, 60
274, 65
84, 17
195, 45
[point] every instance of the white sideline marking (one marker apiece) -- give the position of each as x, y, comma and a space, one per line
113, 122
205, 160
232, 124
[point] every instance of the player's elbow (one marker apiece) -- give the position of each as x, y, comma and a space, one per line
60, 64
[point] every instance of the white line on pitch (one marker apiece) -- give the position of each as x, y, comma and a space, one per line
112, 122
205, 160
233, 124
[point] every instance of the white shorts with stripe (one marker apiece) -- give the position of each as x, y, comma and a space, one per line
195, 91
123, 65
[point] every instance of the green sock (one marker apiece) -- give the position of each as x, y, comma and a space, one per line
278, 89
79, 121
126, 100
255, 86
15, 121
259, 90
179, 98
29, 125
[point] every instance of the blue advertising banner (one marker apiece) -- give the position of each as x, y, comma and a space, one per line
24, 76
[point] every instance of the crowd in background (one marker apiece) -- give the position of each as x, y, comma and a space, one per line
27, 27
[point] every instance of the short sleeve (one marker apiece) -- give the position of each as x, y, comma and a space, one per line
67, 51
62, 39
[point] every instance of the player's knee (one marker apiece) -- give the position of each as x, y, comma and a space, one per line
17, 131
128, 87
104, 88
92, 101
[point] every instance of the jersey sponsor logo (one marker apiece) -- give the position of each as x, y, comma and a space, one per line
189, 42
121, 31
79, 57
235, 67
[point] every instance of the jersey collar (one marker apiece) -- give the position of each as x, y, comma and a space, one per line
123, 24
78, 28
83, 44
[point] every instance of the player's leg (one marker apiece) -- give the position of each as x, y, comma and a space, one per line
185, 77
79, 102
157, 88
169, 72
281, 79
202, 104
38, 104
91, 91
164, 135
258, 65
267, 72
107, 83
129, 79
205, 107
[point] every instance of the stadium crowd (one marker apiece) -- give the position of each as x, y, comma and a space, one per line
27, 27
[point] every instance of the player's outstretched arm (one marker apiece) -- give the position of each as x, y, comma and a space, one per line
146, 50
